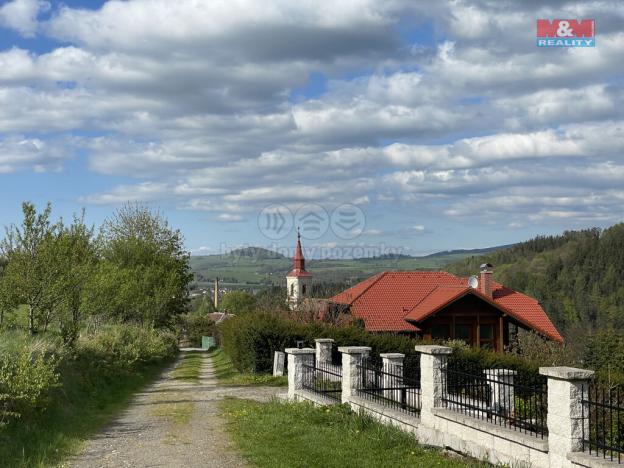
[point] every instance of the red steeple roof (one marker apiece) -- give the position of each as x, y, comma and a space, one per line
299, 260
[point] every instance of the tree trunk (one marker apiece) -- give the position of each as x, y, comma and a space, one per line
31, 320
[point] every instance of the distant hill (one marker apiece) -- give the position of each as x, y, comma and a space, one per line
578, 277
256, 252
469, 252
256, 267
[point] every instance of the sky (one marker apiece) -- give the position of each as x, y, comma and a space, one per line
375, 126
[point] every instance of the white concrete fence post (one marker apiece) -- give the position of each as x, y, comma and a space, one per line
297, 357
433, 362
351, 378
565, 412
392, 363
324, 350
502, 395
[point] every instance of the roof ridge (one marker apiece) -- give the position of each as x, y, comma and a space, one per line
439, 286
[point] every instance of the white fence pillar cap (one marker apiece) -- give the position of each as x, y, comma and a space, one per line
324, 340
355, 349
434, 349
566, 373
300, 350
392, 355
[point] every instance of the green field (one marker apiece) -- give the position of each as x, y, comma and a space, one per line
261, 268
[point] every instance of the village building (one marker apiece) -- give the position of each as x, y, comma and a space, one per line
433, 305
298, 280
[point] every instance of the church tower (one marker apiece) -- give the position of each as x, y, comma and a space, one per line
298, 280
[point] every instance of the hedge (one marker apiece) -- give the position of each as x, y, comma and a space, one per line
251, 340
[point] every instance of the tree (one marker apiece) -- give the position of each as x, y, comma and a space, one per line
144, 272
31, 272
238, 302
77, 258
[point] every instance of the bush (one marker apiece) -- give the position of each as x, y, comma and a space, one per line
195, 325
28, 371
126, 346
251, 341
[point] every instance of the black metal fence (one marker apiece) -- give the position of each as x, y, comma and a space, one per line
603, 421
324, 379
395, 386
494, 398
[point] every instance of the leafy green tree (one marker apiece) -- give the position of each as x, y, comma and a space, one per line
31, 274
144, 272
238, 302
77, 259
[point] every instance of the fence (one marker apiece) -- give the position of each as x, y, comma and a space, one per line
603, 421
553, 418
391, 385
324, 379
492, 395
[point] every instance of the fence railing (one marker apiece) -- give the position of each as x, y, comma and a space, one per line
323, 379
603, 421
492, 395
395, 386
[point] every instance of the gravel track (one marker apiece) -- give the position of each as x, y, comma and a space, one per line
172, 423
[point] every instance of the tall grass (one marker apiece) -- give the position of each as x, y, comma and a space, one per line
95, 381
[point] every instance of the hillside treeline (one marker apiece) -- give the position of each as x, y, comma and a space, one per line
578, 277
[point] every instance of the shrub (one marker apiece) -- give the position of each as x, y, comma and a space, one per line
126, 346
195, 325
28, 371
251, 340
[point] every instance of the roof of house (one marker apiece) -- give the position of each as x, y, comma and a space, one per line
398, 301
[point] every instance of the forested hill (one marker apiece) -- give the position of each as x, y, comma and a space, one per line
578, 276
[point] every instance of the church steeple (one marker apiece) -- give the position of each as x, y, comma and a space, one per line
299, 260
297, 281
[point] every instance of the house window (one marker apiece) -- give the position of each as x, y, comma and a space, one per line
463, 332
440, 332
292, 289
303, 289
486, 336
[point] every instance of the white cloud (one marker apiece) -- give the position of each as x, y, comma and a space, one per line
21, 15
207, 105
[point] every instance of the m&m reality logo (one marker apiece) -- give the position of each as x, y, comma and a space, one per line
566, 33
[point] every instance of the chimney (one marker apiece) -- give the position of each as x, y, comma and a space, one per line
485, 279
216, 294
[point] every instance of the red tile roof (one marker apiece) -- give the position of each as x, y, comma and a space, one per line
397, 301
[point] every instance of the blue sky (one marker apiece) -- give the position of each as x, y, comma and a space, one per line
437, 125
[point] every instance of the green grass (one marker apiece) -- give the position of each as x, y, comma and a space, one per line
190, 367
88, 400
289, 435
228, 376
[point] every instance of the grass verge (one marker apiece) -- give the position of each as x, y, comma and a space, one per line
278, 434
190, 367
88, 400
228, 376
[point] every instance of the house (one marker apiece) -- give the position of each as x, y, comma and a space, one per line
433, 305
439, 305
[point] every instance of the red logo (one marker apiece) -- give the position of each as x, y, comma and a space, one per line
566, 32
